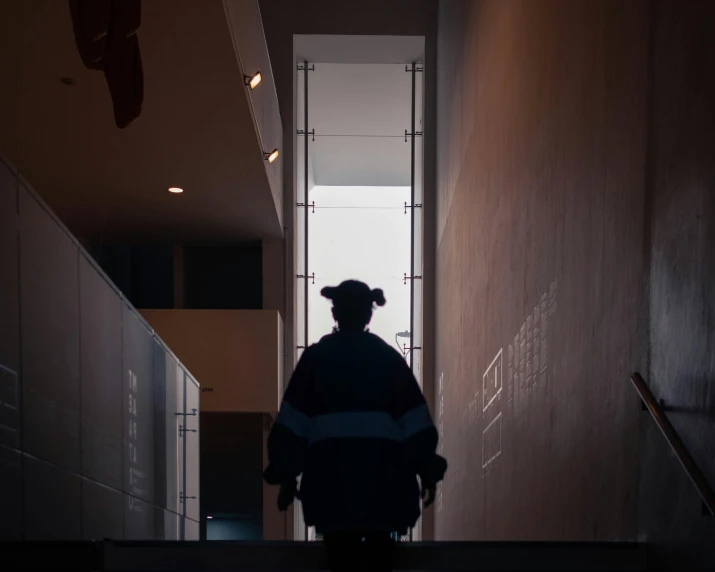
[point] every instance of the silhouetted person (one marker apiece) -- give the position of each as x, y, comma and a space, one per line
355, 424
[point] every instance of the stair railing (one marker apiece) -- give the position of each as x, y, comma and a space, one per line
692, 469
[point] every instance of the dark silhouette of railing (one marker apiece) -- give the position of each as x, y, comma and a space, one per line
692, 469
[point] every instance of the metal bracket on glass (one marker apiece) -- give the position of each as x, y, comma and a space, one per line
183, 430
415, 206
416, 134
406, 278
312, 205
301, 67
408, 69
302, 132
194, 413
310, 276
183, 497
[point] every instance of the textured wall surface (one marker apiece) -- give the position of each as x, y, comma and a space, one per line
576, 220
89, 443
540, 265
10, 424
682, 268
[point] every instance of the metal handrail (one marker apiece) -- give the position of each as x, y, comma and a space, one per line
692, 469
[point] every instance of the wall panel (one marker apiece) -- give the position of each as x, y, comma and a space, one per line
10, 407
102, 516
161, 413
192, 530
138, 519
175, 380
50, 337
11, 497
52, 501
541, 196
9, 310
100, 390
101, 376
138, 373
166, 524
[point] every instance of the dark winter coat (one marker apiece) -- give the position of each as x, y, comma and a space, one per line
355, 424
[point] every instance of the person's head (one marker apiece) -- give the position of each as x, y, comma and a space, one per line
353, 304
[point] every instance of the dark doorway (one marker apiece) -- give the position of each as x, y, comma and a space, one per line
231, 476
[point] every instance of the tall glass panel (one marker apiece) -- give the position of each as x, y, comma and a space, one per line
175, 404
299, 223
417, 240
361, 233
360, 227
302, 279
417, 252
193, 438
365, 163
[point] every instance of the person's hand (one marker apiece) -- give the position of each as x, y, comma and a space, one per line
286, 495
428, 494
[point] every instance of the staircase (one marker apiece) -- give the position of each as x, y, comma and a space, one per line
301, 556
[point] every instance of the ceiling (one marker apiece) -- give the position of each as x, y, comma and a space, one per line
360, 113
196, 130
332, 49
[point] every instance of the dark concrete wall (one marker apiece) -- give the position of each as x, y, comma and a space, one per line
88, 394
541, 171
576, 215
682, 268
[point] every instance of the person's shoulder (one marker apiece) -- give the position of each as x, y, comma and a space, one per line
321, 345
380, 344
374, 340
326, 340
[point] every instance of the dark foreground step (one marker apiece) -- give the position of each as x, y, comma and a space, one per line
300, 556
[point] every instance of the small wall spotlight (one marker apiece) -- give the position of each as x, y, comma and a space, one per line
252, 81
272, 156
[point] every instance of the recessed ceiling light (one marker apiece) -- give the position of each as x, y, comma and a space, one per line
209, 517
176, 190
